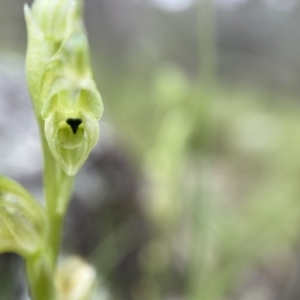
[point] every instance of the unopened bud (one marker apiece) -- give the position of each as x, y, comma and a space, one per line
75, 280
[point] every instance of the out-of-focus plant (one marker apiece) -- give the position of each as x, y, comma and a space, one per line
222, 169
67, 107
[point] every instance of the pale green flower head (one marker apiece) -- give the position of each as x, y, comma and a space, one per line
23, 226
64, 93
72, 105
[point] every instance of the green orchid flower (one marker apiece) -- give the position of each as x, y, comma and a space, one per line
72, 105
67, 106
61, 83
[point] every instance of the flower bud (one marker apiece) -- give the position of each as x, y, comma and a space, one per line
57, 19
22, 220
75, 280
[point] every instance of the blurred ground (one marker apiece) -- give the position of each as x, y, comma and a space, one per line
193, 190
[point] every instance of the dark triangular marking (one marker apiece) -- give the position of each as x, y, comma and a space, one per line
74, 124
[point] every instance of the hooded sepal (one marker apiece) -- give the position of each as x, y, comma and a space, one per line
58, 18
38, 55
72, 105
49, 26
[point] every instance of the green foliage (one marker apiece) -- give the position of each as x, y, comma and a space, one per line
222, 173
221, 166
23, 226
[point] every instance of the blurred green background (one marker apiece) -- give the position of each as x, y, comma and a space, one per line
193, 190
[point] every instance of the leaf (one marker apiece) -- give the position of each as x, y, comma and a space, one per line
22, 220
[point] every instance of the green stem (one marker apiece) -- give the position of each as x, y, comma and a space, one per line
39, 274
58, 188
